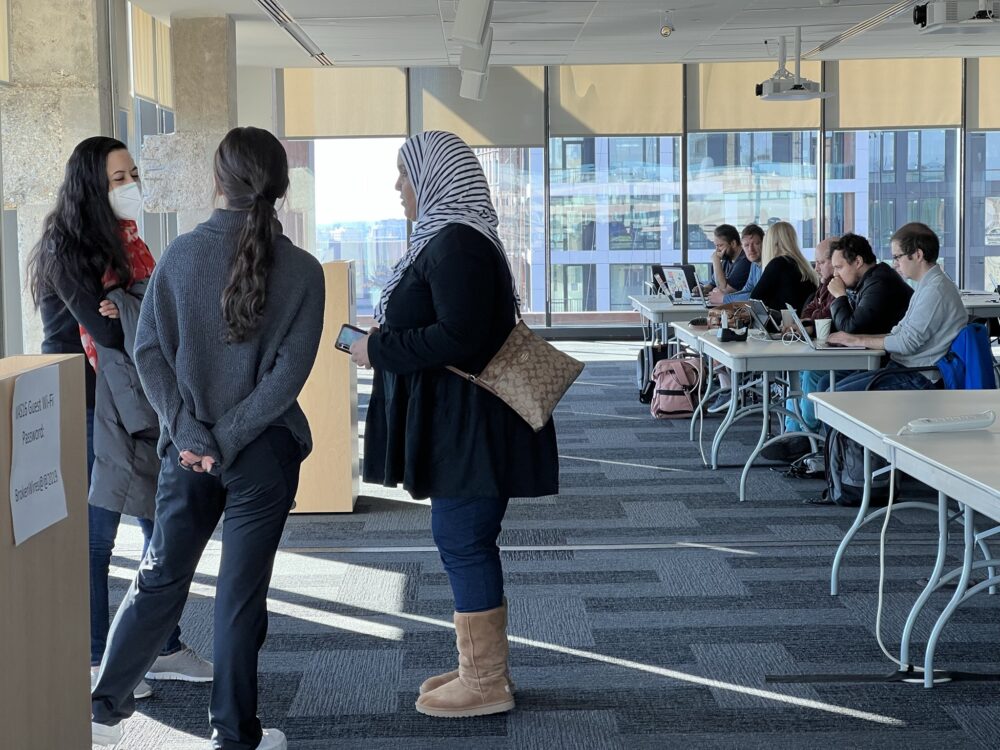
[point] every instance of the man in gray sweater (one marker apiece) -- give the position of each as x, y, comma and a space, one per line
933, 319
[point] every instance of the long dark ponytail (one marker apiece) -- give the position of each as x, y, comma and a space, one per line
81, 237
251, 171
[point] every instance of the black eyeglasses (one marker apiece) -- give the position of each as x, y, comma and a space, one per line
895, 258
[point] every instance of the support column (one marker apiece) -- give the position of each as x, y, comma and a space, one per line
59, 94
177, 167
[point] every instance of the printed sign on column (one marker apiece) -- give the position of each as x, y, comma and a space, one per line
37, 494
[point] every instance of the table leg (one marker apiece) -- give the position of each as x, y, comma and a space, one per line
764, 429
963, 584
866, 498
734, 389
699, 412
932, 582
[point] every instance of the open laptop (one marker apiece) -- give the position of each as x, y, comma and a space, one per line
762, 316
689, 274
697, 293
817, 345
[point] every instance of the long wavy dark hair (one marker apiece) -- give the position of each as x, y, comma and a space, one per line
251, 171
81, 238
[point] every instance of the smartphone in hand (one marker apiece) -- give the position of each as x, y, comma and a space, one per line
347, 336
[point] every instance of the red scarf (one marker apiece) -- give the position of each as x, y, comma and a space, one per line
141, 262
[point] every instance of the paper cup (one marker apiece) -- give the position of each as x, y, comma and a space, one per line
786, 319
822, 328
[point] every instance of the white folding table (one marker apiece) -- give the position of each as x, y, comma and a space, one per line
965, 467
766, 357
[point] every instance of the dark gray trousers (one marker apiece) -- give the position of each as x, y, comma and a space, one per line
254, 495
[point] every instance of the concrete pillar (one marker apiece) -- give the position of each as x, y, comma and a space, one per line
59, 94
177, 168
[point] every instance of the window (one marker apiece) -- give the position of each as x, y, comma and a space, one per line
922, 188
515, 176
614, 204
982, 210
157, 229
758, 177
327, 214
627, 279
573, 288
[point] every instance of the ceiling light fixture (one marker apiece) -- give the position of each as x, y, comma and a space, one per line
285, 20
472, 22
473, 86
667, 28
477, 59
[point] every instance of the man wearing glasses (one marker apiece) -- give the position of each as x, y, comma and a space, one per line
933, 318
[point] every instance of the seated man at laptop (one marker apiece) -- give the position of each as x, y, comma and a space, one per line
752, 242
933, 318
878, 302
730, 262
880, 294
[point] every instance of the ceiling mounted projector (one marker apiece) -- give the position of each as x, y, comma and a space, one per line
957, 16
787, 87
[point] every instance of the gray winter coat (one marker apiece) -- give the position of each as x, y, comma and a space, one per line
126, 428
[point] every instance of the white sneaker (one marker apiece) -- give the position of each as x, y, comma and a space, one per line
184, 665
142, 690
273, 739
103, 735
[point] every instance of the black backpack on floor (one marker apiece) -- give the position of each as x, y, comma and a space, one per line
845, 472
648, 356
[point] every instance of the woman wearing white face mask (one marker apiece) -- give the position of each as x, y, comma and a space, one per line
87, 274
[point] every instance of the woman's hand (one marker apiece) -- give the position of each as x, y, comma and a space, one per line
716, 297
108, 309
199, 464
359, 352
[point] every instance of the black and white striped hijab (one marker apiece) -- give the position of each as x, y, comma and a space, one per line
451, 188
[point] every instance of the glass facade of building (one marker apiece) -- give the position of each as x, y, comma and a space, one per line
614, 209
982, 210
614, 205
878, 180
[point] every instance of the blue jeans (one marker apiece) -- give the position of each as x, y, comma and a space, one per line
103, 528
895, 381
808, 380
253, 497
465, 531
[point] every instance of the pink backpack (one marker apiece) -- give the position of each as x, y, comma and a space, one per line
676, 383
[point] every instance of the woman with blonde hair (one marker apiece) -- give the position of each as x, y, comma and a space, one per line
787, 278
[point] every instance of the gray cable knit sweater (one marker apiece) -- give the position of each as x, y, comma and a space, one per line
215, 398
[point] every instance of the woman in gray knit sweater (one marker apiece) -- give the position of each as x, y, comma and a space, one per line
227, 335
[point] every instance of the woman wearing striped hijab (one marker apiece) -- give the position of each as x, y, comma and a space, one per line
451, 301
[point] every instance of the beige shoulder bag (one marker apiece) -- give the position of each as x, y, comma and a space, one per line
528, 374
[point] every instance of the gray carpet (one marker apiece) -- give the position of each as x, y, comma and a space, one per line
647, 605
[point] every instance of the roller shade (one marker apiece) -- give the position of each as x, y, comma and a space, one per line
616, 100
512, 114
910, 93
721, 97
344, 102
983, 103
164, 71
143, 54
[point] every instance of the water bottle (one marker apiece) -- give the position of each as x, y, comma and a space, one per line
724, 321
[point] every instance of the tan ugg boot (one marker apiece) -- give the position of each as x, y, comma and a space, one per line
481, 686
432, 683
